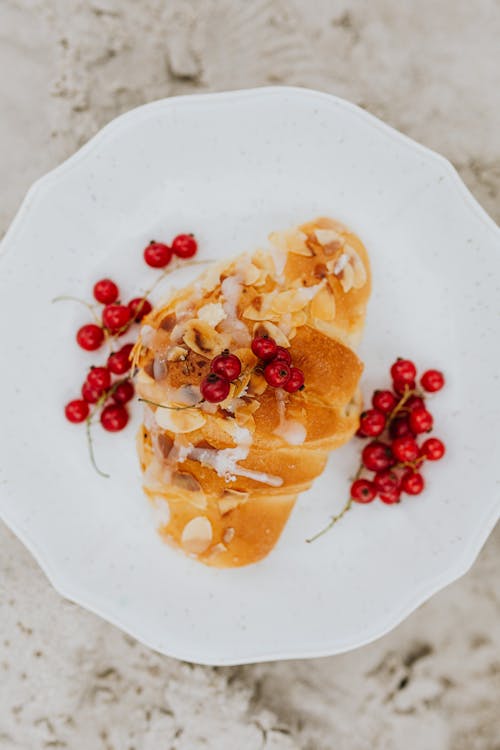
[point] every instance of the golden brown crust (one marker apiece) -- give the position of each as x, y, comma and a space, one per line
230, 473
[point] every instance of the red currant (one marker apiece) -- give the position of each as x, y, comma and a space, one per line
226, 365
139, 307
184, 245
384, 401
106, 291
415, 402
123, 392
283, 355
433, 449
412, 483
296, 380
90, 394
402, 386
432, 380
420, 420
403, 371
389, 497
399, 427
371, 423
114, 418
119, 362
264, 348
363, 491
405, 449
99, 378
116, 318
76, 411
157, 254
90, 337
386, 480
214, 388
277, 373
377, 456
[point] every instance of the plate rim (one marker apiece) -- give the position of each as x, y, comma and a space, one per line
418, 595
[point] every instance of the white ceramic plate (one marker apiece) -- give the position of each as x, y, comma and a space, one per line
231, 168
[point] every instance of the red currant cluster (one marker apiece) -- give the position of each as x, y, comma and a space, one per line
98, 389
277, 365
114, 319
159, 255
224, 369
117, 318
397, 418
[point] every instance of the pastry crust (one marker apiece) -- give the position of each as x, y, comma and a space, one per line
228, 474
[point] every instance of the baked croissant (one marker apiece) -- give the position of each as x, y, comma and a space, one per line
225, 476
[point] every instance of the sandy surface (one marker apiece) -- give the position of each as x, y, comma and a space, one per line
67, 679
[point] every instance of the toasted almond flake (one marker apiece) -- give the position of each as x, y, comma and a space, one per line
249, 274
260, 308
257, 384
202, 339
346, 278
185, 481
323, 304
176, 354
291, 240
217, 549
360, 275
298, 319
266, 328
179, 422
197, 535
327, 236
212, 313
228, 535
294, 299
339, 265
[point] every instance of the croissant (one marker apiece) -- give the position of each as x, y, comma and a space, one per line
224, 477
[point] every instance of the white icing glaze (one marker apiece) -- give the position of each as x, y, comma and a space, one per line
225, 462
231, 291
290, 430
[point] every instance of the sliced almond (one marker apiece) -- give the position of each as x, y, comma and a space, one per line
291, 241
212, 313
185, 481
257, 384
217, 549
202, 339
327, 236
249, 274
323, 304
360, 276
260, 308
346, 278
197, 535
179, 422
294, 299
176, 354
266, 328
228, 535
299, 318
263, 261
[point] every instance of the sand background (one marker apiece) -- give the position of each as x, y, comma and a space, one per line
432, 70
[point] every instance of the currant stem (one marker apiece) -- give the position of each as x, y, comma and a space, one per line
69, 298
89, 423
333, 521
399, 406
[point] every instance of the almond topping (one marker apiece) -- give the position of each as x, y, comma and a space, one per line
197, 535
